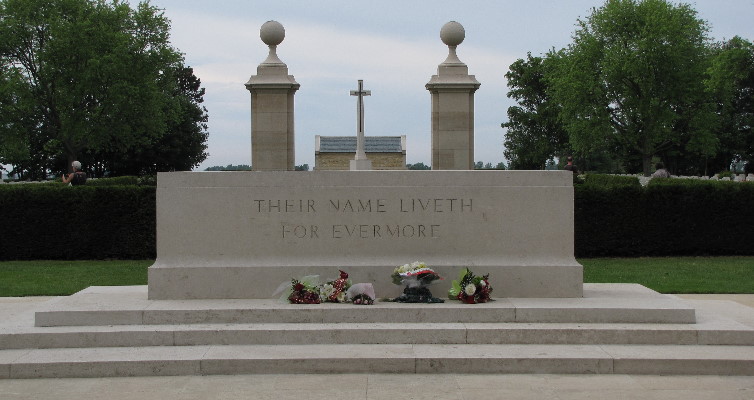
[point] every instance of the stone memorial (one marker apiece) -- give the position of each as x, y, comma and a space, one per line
239, 234
226, 241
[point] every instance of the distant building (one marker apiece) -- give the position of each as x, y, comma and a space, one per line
336, 152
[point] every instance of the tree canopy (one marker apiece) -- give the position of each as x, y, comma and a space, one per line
731, 82
633, 77
97, 81
640, 81
418, 166
534, 133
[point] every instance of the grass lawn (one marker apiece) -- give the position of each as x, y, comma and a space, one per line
59, 278
665, 275
675, 274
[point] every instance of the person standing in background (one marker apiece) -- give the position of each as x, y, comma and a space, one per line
77, 177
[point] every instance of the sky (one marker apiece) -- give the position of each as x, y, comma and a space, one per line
394, 46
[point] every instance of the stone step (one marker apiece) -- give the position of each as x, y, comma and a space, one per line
129, 306
388, 358
717, 333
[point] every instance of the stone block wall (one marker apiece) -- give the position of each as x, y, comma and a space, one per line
340, 161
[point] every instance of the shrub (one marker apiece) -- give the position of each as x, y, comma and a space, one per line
77, 222
611, 180
668, 217
608, 221
114, 181
612, 218
725, 174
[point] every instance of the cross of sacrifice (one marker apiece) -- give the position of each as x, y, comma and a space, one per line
360, 155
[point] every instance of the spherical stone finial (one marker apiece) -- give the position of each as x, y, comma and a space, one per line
272, 33
452, 33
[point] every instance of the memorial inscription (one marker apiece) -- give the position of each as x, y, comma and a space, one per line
307, 230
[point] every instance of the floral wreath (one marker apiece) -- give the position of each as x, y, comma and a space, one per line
415, 274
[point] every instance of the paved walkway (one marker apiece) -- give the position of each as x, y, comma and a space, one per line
388, 387
374, 386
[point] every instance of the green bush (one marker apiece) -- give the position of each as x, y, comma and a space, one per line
612, 218
725, 174
149, 180
611, 180
77, 222
692, 182
668, 217
114, 181
608, 221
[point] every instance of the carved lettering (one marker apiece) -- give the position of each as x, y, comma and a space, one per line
301, 231
287, 206
358, 205
432, 205
304, 231
366, 231
463, 204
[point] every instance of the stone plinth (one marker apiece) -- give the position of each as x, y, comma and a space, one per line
452, 91
364, 164
239, 234
272, 112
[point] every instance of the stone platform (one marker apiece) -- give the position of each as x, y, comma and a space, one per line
613, 329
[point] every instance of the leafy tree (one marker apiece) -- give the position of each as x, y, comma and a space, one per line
89, 77
483, 165
230, 167
302, 167
183, 145
533, 132
418, 166
633, 80
731, 84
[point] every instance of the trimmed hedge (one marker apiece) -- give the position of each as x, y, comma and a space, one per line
124, 180
613, 218
669, 217
77, 222
115, 181
611, 180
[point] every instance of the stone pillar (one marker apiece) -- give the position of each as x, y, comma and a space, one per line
452, 91
272, 116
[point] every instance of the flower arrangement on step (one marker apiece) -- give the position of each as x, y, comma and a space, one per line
361, 294
417, 276
305, 291
471, 289
308, 290
335, 291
